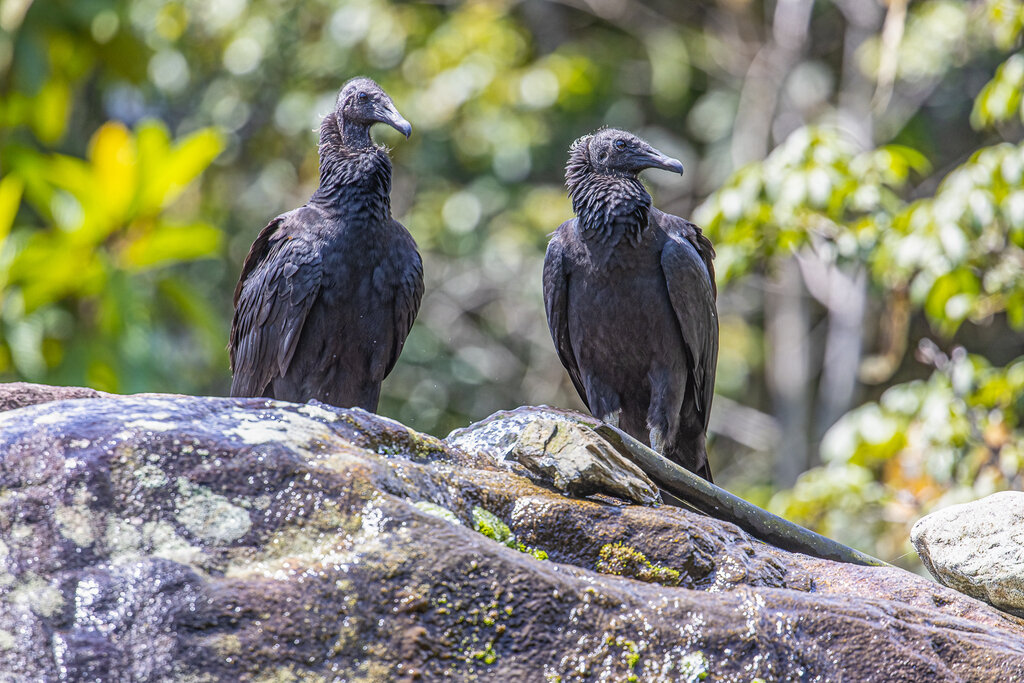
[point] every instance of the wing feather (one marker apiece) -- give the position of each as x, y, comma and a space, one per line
686, 261
280, 280
556, 305
408, 295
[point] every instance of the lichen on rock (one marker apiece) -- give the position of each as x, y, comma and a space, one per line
256, 540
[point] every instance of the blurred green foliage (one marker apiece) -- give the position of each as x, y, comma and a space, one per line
144, 143
954, 256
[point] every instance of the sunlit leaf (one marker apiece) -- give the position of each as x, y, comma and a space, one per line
114, 168
50, 111
170, 243
10, 197
167, 169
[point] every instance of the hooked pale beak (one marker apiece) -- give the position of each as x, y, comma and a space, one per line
390, 116
652, 158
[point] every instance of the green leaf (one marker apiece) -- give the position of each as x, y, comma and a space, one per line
10, 199
1000, 99
51, 109
171, 243
166, 171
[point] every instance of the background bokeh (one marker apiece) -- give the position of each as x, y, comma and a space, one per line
858, 165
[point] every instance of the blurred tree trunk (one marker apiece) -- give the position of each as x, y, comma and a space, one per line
787, 320
806, 412
846, 289
788, 368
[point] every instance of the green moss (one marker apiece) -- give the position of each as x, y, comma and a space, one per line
622, 560
492, 527
536, 552
632, 654
487, 655
438, 511
693, 667
426, 447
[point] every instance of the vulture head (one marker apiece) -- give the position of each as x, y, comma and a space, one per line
362, 103
610, 151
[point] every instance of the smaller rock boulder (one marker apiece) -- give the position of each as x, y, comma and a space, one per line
978, 548
575, 460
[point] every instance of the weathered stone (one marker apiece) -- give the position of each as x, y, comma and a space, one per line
497, 434
573, 458
181, 538
21, 394
977, 548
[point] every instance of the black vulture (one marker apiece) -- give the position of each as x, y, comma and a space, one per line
630, 297
329, 291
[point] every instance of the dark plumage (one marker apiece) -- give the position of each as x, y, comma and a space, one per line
329, 291
630, 298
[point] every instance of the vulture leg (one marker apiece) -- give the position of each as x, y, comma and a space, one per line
604, 402
657, 440
612, 418
666, 402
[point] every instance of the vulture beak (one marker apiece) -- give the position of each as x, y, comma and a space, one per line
652, 158
389, 115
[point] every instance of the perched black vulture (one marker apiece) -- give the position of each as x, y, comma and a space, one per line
630, 298
329, 291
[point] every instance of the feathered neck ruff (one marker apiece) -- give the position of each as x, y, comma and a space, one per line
608, 206
352, 179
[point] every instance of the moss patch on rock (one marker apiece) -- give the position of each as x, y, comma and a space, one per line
622, 560
491, 526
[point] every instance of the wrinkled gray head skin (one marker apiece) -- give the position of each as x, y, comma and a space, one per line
611, 151
362, 101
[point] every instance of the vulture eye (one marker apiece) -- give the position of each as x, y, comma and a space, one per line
362, 97
620, 145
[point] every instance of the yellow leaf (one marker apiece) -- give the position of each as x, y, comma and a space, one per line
10, 198
170, 243
166, 171
154, 145
114, 161
50, 111
190, 157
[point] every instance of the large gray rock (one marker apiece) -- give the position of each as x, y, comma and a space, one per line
164, 538
977, 548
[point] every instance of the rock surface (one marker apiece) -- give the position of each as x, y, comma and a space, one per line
977, 548
159, 538
21, 394
574, 459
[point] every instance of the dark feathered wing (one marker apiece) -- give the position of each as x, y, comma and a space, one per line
407, 301
556, 304
280, 281
686, 261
